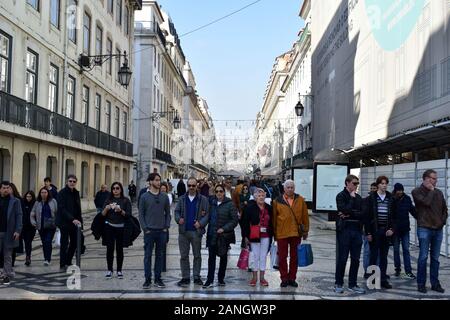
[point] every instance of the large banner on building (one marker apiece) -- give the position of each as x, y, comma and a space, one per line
304, 179
330, 180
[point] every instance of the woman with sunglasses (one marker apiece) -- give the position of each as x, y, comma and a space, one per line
116, 209
43, 219
223, 219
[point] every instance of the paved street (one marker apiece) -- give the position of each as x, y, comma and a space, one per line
316, 281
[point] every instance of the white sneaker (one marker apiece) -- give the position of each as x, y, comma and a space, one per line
120, 275
46, 263
108, 275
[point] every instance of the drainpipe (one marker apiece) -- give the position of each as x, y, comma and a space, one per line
446, 201
66, 68
416, 159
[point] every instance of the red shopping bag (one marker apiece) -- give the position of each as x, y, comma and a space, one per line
243, 259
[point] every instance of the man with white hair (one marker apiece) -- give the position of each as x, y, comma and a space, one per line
290, 224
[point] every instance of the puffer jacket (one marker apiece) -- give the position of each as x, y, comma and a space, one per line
227, 219
285, 225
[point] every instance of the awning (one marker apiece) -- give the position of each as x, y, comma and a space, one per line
428, 136
273, 171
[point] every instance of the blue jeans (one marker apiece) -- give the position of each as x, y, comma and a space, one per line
157, 239
429, 240
404, 240
47, 238
366, 254
349, 241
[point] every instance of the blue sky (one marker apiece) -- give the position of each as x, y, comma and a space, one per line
233, 58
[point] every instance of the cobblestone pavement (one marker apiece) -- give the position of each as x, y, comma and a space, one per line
315, 282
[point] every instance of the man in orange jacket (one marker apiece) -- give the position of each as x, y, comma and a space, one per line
290, 224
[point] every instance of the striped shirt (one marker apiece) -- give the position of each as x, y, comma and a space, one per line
382, 210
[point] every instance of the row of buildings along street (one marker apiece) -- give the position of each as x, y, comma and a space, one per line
101, 89
366, 85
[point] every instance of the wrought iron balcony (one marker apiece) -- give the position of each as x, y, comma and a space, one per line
162, 156
24, 114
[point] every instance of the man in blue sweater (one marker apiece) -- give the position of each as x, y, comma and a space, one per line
154, 216
191, 214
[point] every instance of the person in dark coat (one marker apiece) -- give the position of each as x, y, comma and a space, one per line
51, 187
258, 213
10, 228
68, 219
142, 191
116, 210
181, 188
28, 230
403, 207
100, 198
223, 219
132, 191
379, 220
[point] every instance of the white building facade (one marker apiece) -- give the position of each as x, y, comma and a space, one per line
56, 120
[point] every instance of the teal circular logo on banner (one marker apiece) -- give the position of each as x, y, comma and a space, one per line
392, 21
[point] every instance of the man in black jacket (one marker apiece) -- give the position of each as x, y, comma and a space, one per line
403, 208
181, 188
132, 191
101, 197
379, 217
349, 234
68, 219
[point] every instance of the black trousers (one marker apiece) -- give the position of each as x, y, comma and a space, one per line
114, 239
212, 264
68, 245
28, 234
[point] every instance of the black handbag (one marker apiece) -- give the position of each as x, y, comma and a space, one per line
49, 224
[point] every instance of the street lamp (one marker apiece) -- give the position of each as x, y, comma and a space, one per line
299, 108
156, 115
88, 62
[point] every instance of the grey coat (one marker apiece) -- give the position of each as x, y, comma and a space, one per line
202, 218
14, 223
36, 213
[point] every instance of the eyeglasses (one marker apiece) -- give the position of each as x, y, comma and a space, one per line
116, 188
191, 185
355, 183
219, 191
72, 181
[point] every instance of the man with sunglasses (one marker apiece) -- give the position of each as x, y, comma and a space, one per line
349, 225
154, 216
68, 219
191, 215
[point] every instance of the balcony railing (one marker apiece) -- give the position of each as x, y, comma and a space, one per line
24, 114
162, 156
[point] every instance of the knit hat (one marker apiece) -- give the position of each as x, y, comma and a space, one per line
398, 187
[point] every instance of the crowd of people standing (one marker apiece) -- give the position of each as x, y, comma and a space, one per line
270, 215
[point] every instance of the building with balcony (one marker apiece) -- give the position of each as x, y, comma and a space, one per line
297, 142
271, 121
54, 119
159, 91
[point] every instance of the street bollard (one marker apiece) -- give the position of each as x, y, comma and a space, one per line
78, 246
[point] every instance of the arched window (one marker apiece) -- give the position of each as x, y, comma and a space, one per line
52, 168
97, 178
5, 165
108, 176
70, 167
84, 180
28, 172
